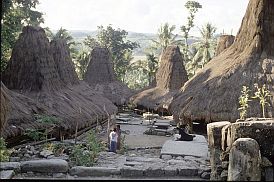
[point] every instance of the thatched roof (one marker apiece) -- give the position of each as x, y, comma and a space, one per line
212, 94
170, 77
100, 75
224, 41
57, 88
5, 107
62, 58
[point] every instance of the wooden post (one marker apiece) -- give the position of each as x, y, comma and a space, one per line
108, 124
76, 130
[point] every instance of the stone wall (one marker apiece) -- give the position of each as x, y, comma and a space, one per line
235, 148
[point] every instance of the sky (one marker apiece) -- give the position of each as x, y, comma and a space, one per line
144, 16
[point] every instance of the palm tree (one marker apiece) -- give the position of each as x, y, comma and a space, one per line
152, 64
81, 63
203, 49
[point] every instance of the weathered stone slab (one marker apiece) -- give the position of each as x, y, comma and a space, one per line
171, 171
261, 131
8, 174
82, 171
10, 166
143, 159
154, 171
244, 161
131, 172
198, 147
45, 166
187, 171
214, 134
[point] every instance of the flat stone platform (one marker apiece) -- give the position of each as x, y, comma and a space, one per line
197, 148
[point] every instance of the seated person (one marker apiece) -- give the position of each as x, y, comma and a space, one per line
184, 136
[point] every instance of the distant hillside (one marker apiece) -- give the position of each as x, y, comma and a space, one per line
144, 39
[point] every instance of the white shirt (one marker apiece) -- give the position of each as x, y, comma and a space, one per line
113, 136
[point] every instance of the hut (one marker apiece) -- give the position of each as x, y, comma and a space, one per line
170, 77
100, 75
43, 72
212, 94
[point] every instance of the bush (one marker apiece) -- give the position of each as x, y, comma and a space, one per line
4, 152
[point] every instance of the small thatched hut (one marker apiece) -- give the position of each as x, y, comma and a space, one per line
45, 74
170, 77
224, 41
100, 75
212, 94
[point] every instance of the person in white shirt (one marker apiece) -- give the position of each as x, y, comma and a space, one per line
113, 140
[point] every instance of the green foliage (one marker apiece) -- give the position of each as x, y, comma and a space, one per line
86, 155
51, 120
35, 134
203, 50
243, 101
192, 7
123, 147
81, 62
4, 152
15, 15
118, 45
262, 94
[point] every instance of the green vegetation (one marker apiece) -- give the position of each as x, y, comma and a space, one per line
4, 152
123, 147
86, 155
15, 15
243, 101
262, 94
35, 134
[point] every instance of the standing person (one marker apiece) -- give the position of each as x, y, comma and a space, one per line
113, 136
119, 137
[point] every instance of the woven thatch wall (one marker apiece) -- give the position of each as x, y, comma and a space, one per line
5, 107
65, 67
100, 75
224, 42
170, 77
58, 90
212, 94
37, 70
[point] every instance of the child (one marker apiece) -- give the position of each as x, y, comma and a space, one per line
113, 136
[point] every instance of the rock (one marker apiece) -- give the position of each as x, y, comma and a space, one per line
27, 155
50, 157
269, 174
191, 158
14, 159
82, 171
266, 162
58, 175
45, 166
188, 171
171, 171
225, 164
133, 163
179, 158
8, 174
143, 159
131, 172
214, 133
224, 175
154, 171
63, 157
10, 166
45, 153
244, 161
205, 175
166, 157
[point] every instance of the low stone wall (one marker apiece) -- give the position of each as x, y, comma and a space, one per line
226, 138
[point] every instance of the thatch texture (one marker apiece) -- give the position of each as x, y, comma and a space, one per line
59, 91
170, 77
212, 94
5, 107
62, 58
224, 41
100, 75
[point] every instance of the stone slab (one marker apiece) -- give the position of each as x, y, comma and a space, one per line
10, 166
8, 174
131, 172
82, 171
198, 147
45, 166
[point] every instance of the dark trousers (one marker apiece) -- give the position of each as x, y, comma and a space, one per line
113, 146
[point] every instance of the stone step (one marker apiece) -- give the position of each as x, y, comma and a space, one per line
10, 166
8, 174
45, 166
82, 171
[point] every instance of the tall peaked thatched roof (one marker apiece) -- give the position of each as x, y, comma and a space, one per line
51, 81
224, 41
62, 58
100, 75
170, 77
37, 69
212, 94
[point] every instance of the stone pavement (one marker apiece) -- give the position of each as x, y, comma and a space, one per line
197, 148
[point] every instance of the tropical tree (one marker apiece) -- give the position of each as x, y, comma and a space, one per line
16, 14
204, 49
192, 7
152, 66
81, 62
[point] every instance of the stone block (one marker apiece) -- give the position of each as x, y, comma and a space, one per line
187, 171
10, 166
154, 171
166, 157
45, 166
171, 171
131, 172
82, 171
8, 174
